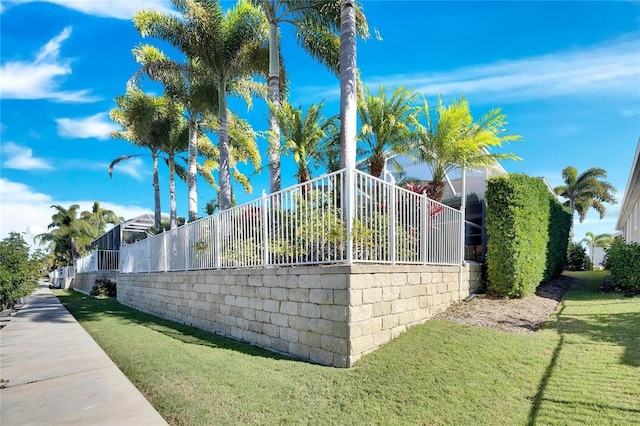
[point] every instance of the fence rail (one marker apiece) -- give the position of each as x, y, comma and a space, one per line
310, 224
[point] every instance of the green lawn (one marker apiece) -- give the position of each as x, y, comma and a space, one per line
582, 368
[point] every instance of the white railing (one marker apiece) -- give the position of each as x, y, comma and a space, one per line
98, 260
62, 273
307, 224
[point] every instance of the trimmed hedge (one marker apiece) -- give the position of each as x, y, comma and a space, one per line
528, 233
623, 260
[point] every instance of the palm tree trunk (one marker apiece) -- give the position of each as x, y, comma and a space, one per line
156, 193
274, 97
376, 165
173, 216
192, 172
436, 189
572, 207
223, 147
348, 83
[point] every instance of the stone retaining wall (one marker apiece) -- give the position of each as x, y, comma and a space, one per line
329, 315
85, 281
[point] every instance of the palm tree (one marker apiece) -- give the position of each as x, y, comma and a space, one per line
316, 24
348, 84
303, 137
593, 241
452, 140
387, 125
232, 45
139, 114
98, 218
584, 191
68, 236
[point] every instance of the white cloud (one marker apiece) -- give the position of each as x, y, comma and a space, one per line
97, 126
40, 79
29, 212
21, 158
119, 9
610, 69
133, 167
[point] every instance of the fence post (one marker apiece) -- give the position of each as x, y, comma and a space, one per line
463, 213
148, 254
217, 249
349, 205
186, 230
265, 230
164, 252
423, 227
392, 224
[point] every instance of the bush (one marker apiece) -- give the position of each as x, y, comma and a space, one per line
576, 257
104, 288
19, 270
623, 260
528, 232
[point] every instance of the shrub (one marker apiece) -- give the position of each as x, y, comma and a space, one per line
623, 260
576, 257
104, 288
528, 232
19, 270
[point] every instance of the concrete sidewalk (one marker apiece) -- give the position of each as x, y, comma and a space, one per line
56, 374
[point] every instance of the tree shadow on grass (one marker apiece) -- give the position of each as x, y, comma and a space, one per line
87, 309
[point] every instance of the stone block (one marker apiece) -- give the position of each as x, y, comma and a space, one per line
381, 309
372, 295
230, 300
333, 312
254, 280
321, 296
288, 281
396, 331
271, 330
263, 316
309, 310
320, 326
249, 314
341, 297
279, 293
360, 313
398, 279
263, 292
242, 302
280, 319
336, 345
381, 337
299, 350
289, 308
249, 291
335, 281
361, 281
414, 278
371, 326
289, 334
280, 345
271, 305
299, 323
255, 303
309, 338
390, 321
299, 295
361, 344
340, 329
310, 281
355, 297
390, 293
320, 356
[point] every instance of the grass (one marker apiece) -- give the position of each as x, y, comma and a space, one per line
583, 367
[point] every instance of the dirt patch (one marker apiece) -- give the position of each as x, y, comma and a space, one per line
524, 315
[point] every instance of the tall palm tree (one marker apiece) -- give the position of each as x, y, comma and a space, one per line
139, 114
451, 139
585, 191
387, 125
191, 86
232, 45
316, 24
593, 241
348, 84
304, 137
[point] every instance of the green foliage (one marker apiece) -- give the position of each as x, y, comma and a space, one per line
19, 270
526, 231
576, 257
104, 288
623, 260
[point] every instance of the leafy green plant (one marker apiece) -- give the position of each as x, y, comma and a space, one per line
104, 288
623, 260
527, 235
19, 270
576, 257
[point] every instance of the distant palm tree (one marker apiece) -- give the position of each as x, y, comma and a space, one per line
139, 115
99, 218
450, 139
304, 137
593, 241
232, 45
585, 191
68, 236
387, 125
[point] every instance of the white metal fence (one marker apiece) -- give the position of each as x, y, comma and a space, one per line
98, 260
309, 224
62, 273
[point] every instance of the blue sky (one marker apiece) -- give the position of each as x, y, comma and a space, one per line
566, 73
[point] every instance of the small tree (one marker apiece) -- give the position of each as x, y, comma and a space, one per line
576, 257
18, 269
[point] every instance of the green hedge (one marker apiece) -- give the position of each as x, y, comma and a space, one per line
623, 260
528, 232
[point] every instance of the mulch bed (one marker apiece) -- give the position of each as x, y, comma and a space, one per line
524, 315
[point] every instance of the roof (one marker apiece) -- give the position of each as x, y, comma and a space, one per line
631, 193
